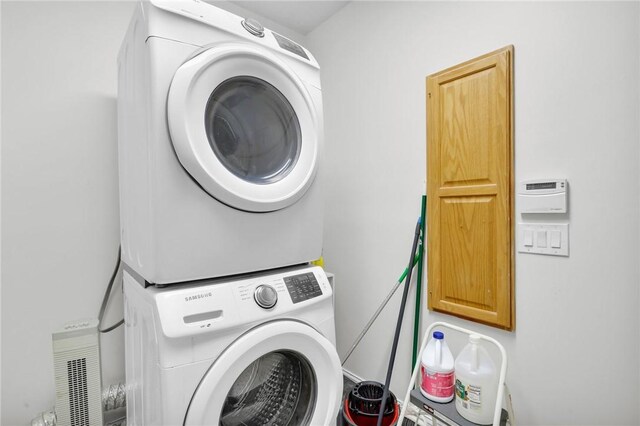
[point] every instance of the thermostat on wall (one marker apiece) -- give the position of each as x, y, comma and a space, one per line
543, 196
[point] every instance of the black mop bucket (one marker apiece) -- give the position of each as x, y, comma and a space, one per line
362, 405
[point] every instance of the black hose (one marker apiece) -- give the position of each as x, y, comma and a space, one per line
394, 347
107, 296
113, 327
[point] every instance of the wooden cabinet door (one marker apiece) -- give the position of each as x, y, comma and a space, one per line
469, 188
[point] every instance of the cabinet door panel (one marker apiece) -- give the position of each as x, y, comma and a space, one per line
469, 188
468, 255
467, 134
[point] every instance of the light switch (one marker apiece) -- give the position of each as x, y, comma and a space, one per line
544, 238
528, 238
541, 239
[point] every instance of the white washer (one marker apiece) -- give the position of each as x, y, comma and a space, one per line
220, 139
217, 353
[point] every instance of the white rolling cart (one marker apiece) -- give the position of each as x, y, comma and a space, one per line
447, 413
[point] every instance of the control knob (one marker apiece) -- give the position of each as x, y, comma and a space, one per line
265, 296
254, 27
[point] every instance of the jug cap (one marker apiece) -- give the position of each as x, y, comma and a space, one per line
438, 335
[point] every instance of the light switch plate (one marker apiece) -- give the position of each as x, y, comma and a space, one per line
547, 232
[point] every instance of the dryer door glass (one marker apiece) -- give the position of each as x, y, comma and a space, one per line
277, 389
252, 129
246, 127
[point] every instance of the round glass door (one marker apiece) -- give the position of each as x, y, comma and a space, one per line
277, 389
253, 129
281, 373
245, 127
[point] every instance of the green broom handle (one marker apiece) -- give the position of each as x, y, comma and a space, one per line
416, 317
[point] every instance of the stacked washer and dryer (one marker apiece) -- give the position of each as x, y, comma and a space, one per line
220, 141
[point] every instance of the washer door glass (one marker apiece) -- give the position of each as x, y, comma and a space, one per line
277, 389
280, 373
253, 130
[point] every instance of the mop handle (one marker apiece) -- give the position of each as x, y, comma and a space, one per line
394, 348
374, 317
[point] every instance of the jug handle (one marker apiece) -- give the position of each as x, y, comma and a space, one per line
474, 357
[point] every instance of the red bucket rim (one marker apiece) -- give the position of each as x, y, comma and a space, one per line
347, 414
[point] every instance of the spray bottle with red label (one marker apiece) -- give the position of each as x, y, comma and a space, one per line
437, 370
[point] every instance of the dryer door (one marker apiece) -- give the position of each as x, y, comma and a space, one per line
281, 373
244, 126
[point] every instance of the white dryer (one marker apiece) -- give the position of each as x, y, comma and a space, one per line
220, 139
252, 351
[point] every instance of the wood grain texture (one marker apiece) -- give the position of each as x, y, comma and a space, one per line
469, 189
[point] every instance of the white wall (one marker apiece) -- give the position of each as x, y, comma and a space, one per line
0, 218
59, 186
574, 354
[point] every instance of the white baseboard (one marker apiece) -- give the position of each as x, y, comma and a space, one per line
349, 375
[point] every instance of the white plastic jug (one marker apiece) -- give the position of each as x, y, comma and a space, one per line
436, 369
476, 383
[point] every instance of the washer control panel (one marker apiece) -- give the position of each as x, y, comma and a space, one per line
302, 287
227, 303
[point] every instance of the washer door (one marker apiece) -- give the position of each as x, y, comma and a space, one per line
244, 126
282, 373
